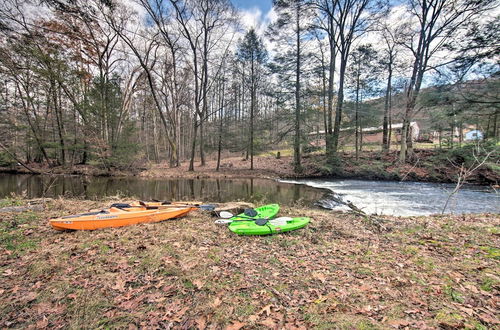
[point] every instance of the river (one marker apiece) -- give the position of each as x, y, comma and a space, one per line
375, 197
213, 190
406, 198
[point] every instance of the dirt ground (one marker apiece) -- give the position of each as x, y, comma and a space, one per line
338, 272
371, 165
232, 167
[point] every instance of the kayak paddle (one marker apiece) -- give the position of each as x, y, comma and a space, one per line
275, 222
206, 207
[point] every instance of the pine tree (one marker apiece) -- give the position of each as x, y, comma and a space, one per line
252, 50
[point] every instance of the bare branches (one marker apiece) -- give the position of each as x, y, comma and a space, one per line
465, 173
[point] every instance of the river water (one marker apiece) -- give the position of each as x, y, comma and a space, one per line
380, 197
213, 190
406, 198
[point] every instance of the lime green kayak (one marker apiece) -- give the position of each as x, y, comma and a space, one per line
263, 212
251, 228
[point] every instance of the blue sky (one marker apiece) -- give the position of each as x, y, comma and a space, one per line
263, 5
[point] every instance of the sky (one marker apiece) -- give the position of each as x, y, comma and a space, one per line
255, 14
263, 5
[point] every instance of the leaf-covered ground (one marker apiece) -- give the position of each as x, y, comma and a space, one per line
189, 273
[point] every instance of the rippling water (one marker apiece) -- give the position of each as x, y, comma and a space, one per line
407, 198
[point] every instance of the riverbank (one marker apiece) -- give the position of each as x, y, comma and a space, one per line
439, 271
428, 166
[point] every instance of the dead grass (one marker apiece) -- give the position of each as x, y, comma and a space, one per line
187, 273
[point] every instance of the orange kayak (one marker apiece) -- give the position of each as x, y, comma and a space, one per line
117, 217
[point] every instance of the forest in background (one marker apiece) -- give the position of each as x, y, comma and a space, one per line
118, 84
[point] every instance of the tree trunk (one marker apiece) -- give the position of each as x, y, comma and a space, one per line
385, 125
296, 154
221, 106
193, 143
340, 103
202, 152
329, 131
356, 145
252, 111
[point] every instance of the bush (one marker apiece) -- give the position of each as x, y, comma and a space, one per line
465, 154
6, 160
307, 149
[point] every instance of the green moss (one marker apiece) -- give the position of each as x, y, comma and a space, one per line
449, 318
245, 308
488, 283
10, 202
364, 271
424, 262
410, 250
494, 230
188, 284
13, 239
492, 252
453, 294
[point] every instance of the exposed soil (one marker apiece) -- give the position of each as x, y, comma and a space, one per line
338, 272
371, 165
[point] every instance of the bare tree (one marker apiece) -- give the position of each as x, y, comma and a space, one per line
203, 24
432, 25
344, 22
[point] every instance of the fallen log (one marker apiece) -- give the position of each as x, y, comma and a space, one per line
372, 220
18, 160
17, 209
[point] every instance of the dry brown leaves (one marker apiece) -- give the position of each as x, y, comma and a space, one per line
189, 273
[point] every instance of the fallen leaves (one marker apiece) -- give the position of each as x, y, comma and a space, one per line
167, 275
120, 285
235, 325
319, 276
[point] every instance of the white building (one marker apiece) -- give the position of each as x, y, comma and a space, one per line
474, 135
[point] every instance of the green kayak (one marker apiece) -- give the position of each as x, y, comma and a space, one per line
263, 212
251, 228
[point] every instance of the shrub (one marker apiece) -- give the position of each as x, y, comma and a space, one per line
6, 160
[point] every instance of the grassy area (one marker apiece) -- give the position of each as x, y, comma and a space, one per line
440, 271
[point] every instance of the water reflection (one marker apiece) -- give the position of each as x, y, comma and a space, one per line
217, 190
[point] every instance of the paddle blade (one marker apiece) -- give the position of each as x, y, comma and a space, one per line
207, 207
281, 221
222, 221
226, 215
250, 212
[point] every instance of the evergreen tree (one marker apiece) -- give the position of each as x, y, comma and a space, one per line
252, 51
290, 29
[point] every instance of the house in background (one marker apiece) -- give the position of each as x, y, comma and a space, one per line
369, 134
474, 135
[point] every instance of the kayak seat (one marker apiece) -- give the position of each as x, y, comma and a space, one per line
120, 205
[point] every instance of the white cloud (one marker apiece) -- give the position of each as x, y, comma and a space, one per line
255, 18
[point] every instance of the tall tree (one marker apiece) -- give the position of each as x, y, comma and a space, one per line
344, 21
203, 24
362, 74
252, 51
388, 61
292, 15
432, 25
